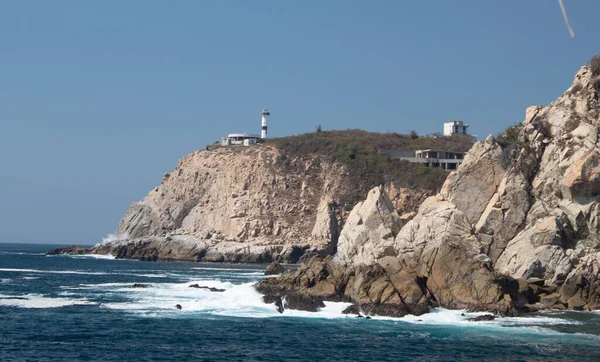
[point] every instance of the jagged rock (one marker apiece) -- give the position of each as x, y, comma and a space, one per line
274, 268
369, 231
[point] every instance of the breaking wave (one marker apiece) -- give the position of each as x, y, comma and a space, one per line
114, 237
93, 256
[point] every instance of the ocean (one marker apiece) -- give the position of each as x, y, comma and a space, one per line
82, 308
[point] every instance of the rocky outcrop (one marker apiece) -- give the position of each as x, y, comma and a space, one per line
72, 250
244, 204
369, 231
515, 228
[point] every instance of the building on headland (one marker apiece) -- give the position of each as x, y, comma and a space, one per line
248, 139
446, 160
243, 139
455, 127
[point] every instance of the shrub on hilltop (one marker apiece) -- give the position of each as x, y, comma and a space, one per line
594, 65
367, 167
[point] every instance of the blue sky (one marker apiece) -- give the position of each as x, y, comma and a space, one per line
99, 99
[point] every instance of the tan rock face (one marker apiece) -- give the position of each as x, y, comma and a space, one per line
236, 200
233, 198
369, 231
238, 193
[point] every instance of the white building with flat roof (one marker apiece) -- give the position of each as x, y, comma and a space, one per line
455, 127
244, 139
444, 159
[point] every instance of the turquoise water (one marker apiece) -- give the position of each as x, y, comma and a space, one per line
82, 308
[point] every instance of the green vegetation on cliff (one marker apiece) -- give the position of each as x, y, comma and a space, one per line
360, 151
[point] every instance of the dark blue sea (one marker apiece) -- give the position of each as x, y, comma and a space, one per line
82, 308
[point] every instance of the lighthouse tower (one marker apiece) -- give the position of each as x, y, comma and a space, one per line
265, 114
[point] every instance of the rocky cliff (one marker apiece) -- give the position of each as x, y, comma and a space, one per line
246, 204
515, 228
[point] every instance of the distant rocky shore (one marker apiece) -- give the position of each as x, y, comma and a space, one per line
515, 229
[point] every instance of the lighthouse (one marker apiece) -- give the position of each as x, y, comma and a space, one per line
265, 114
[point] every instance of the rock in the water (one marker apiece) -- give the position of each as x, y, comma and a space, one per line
482, 318
141, 285
71, 250
274, 268
212, 289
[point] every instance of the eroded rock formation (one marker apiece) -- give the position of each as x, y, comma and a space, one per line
515, 228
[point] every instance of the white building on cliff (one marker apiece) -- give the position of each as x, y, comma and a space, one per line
455, 127
247, 139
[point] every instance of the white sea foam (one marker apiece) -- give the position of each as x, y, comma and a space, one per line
162, 275
98, 286
5, 280
242, 300
39, 301
238, 300
93, 256
20, 270
31, 278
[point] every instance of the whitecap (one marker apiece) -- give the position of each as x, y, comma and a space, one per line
39, 301
19, 253
94, 256
5, 280
163, 275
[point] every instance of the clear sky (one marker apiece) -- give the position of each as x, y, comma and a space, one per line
99, 99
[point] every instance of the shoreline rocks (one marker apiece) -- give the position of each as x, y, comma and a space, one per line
71, 250
274, 268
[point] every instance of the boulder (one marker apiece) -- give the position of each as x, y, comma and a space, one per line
274, 268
